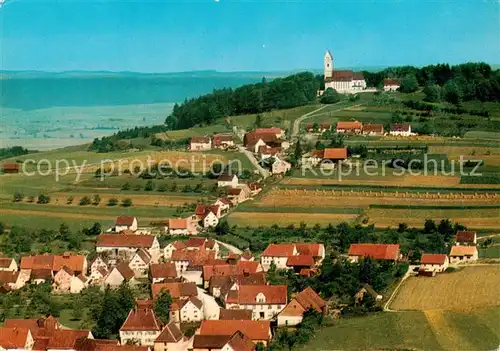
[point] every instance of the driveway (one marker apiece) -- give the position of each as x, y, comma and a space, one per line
211, 308
264, 172
231, 248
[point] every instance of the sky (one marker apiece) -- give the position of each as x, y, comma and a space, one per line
230, 35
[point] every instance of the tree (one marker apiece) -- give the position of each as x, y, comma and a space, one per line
96, 200
75, 240
330, 96
18, 197
162, 188
161, 306
43, 199
432, 93
451, 92
149, 186
222, 227
112, 202
64, 231
429, 226
174, 186
94, 230
126, 202
258, 120
445, 228
402, 227
84, 201
297, 154
409, 84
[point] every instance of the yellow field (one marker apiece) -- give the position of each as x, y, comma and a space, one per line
256, 219
464, 290
481, 218
490, 156
362, 199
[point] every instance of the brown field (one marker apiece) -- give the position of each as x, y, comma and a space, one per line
490, 156
469, 288
447, 335
255, 219
59, 199
390, 180
328, 198
480, 218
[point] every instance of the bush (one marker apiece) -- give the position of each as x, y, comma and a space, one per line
84, 201
162, 188
112, 202
149, 186
43, 199
96, 200
330, 96
126, 186
126, 202
69, 200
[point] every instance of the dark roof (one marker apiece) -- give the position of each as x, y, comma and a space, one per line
200, 139
400, 127
226, 177
465, 236
391, 81
234, 314
210, 341
170, 334
125, 220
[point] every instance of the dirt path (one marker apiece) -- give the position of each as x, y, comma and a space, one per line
251, 158
446, 335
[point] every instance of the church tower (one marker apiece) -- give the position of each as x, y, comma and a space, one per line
328, 64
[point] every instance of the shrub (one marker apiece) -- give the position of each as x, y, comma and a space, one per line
149, 186
84, 201
112, 202
43, 199
126, 202
96, 200
69, 200
126, 186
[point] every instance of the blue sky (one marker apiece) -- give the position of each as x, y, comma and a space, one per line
170, 36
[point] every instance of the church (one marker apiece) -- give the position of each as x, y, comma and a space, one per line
345, 81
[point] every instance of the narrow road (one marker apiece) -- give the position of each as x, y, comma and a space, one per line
264, 172
231, 248
393, 295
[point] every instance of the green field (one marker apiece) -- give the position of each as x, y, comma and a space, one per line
411, 330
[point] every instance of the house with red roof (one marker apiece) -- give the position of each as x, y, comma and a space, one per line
16, 339
239, 194
463, 254
97, 263
254, 140
400, 129
236, 342
119, 274
140, 262
349, 127
230, 270
318, 128
54, 263
10, 168
374, 251
265, 301
391, 84
163, 272
181, 226
62, 279
325, 157
41, 328
466, 237
223, 141
293, 313
125, 223
208, 215
373, 129
8, 264
278, 132
141, 325
256, 331
171, 338
171, 247
200, 143
125, 246
433, 263
296, 256
64, 339
195, 243
224, 204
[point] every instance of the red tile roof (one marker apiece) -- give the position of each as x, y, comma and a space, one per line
375, 128
247, 295
170, 334
200, 140
433, 258
255, 330
177, 223
251, 139
375, 251
300, 260
279, 250
125, 240
273, 130
349, 125
210, 342
234, 191
176, 290
235, 314
141, 319
241, 342
163, 270
124, 220
400, 127
10, 166
66, 339
266, 150
5, 262
316, 250
124, 269
144, 255
391, 81
195, 257
308, 298
8, 276
463, 251
13, 338
335, 153
38, 327
179, 245
465, 236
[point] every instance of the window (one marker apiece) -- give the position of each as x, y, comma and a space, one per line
261, 315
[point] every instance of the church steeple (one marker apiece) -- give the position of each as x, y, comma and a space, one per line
328, 64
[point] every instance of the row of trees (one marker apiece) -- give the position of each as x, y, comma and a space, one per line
295, 90
14, 151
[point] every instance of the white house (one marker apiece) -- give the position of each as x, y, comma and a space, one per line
8, 264
180, 226
223, 141
14, 280
171, 247
98, 276
224, 205
210, 220
200, 143
119, 274
434, 263
98, 263
171, 338
400, 129
345, 81
78, 283
126, 245
265, 301
277, 253
125, 223
463, 254
391, 84
141, 325
140, 263
191, 310
293, 313
230, 180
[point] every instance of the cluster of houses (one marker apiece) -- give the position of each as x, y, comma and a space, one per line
191, 271
204, 143
356, 127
